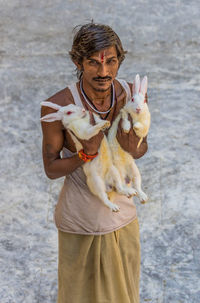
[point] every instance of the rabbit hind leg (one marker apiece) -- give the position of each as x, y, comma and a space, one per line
119, 183
137, 183
98, 188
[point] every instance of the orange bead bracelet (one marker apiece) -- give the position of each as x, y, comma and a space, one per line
86, 158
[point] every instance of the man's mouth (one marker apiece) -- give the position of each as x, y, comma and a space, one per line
102, 79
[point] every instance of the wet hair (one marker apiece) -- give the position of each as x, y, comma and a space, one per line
92, 38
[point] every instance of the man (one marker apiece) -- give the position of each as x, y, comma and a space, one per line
99, 250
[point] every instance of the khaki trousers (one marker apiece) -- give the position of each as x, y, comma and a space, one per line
100, 269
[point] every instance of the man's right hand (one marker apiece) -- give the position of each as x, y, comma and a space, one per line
91, 146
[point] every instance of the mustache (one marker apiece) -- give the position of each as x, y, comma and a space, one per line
102, 78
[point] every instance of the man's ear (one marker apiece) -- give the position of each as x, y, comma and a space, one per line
78, 65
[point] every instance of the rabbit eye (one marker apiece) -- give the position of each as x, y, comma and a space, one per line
132, 100
69, 113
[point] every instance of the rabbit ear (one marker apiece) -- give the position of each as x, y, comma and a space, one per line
51, 105
137, 84
144, 84
52, 117
133, 88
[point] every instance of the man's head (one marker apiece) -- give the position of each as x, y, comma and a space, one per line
93, 40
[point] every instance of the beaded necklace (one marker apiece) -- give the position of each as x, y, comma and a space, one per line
92, 105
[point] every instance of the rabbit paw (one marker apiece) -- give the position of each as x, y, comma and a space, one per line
126, 126
127, 191
112, 206
137, 126
105, 125
142, 197
130, 192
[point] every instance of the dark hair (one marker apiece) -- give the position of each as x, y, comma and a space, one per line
91, 38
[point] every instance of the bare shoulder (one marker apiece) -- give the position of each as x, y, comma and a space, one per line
121, 90
132, 86
120, 93
62, 98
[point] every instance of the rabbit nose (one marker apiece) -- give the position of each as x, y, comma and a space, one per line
138, 110
83, 110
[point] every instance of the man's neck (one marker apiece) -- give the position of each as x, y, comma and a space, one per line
96, 96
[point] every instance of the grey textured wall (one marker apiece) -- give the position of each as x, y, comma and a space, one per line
162, 38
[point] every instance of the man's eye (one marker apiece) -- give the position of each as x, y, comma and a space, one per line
92, 62
112, 61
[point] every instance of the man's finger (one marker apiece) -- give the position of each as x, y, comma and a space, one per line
130, 120
75, 136
101, 134
92, 121
146, 98
119, 130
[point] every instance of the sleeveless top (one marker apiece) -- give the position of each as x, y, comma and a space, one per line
78, 211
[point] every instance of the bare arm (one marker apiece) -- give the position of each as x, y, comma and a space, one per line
53, 140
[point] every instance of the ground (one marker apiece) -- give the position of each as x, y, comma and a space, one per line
162, 39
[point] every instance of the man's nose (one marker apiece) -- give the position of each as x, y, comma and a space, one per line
102, 71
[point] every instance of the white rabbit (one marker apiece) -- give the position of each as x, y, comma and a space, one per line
76, 120
138, 110
140, 115
102, 176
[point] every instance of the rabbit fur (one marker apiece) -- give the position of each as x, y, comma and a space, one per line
102, 176
139, 112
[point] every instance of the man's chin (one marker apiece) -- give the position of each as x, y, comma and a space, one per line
101, 89
102, 86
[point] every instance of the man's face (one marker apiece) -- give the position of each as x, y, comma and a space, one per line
100, 69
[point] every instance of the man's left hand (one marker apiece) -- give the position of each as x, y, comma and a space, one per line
129, 141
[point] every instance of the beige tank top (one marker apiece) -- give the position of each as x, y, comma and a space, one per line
78, 211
